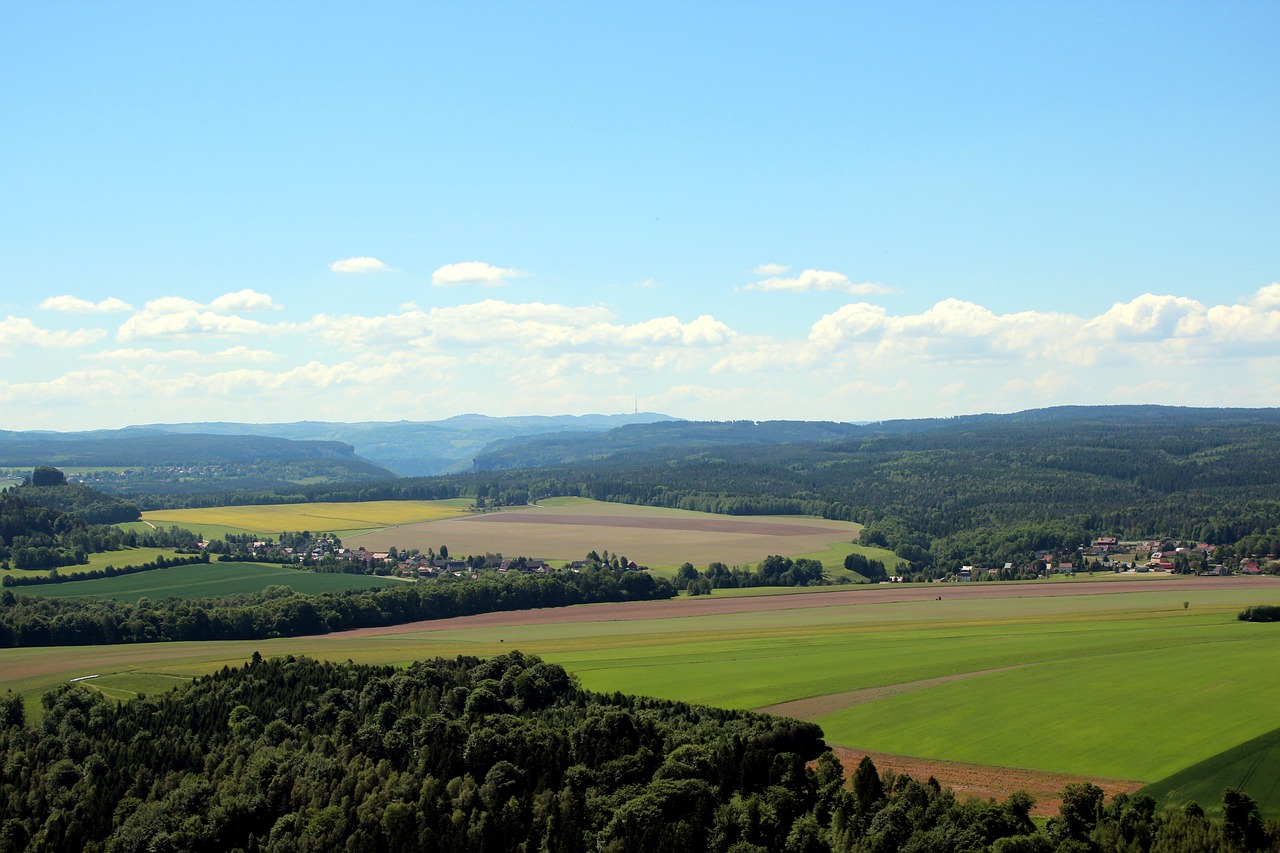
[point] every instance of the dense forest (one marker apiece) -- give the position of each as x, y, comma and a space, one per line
46, 523
501, 755
280, 612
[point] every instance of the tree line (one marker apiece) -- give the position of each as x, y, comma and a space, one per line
160, 562
280, 612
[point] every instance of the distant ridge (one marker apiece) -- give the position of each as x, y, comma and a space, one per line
420, 448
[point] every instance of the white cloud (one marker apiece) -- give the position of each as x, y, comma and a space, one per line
473, 272
1150, 316
178, 317
359, 265
76, 305
1046, 386
18, 332
147, 354
810, 280
771, 269
1267, 298
244, 300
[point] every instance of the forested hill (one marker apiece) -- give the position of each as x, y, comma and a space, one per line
679, 439
980, 488
418, 448
153, 447
675, 437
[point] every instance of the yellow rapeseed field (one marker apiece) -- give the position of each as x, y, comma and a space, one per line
315, 517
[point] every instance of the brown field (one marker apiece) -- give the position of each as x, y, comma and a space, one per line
711, 605
648, 535
982, 782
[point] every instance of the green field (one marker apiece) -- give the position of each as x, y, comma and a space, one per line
204, 581
1108, 679
120, 559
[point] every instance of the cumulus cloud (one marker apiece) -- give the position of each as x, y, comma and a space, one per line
179, 317
76, 305
244, 300
771, 269
473, 272
18, 332
1150, 316
358, 265
810, 280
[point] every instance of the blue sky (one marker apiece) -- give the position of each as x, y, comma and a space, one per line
847, 211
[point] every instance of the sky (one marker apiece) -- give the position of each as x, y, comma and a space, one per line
285, 211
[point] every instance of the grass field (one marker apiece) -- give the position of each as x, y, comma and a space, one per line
1108, 679
1250, 766
340, 518
205, 581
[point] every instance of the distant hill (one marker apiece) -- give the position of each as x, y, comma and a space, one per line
147, 461
678, 437
421, 448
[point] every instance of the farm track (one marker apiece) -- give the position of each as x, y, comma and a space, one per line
710, 605
813, 707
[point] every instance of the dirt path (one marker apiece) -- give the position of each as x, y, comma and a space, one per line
819, 706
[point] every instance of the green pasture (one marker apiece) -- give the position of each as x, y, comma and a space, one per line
1249, 766
1124, 682
204, 580
120, 559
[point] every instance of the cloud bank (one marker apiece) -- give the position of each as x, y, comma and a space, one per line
859, 361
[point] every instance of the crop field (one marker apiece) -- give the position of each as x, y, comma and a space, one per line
339, 518
566, 529
1131, 682
205, 581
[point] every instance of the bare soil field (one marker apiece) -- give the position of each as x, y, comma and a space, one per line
983, 782
710, 605
648, 535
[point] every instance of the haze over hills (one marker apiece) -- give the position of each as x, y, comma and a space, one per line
394, 448
421, 448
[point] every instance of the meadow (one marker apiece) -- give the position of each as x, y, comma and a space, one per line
1102, 679
206, 580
